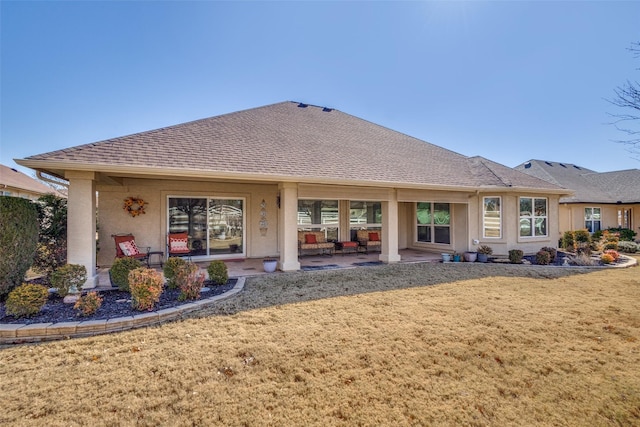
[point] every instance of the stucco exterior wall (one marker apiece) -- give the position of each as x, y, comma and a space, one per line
572, 215
510, 238
150, 229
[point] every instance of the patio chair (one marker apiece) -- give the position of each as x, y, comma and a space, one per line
126, 246
178, 245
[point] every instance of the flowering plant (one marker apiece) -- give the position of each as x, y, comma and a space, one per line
134, 206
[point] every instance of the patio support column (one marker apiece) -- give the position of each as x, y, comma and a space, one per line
288, 227
389, 251
81, 223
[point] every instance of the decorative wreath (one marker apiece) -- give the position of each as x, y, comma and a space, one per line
134, 205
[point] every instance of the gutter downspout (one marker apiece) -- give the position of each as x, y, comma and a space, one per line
45, 179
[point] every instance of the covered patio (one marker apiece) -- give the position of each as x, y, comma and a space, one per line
253, 266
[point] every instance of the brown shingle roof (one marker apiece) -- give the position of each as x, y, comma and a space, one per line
288, 139
13, 178
589, 186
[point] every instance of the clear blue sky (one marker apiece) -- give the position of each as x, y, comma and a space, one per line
510, 81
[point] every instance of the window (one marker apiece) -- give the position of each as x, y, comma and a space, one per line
433, 222
365, 215
319, 215
533, 217
624, 218
215, 226
491, 218
592, 219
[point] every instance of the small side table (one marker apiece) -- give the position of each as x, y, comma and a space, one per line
159, 254
347, 247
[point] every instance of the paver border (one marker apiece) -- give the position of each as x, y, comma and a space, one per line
16, 333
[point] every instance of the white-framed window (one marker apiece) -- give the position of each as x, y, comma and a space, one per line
215, 225
533, 217
592, 219
624, 218
433, 222
491, 217
319, 215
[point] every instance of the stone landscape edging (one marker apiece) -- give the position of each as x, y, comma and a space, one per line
25, 333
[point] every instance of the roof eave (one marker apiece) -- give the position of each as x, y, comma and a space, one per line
54, 168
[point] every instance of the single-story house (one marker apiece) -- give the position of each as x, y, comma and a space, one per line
17, 184
243, 184
600, 200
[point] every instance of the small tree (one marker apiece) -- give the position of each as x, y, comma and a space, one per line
69, 279
18, 240
627, 97
52, 239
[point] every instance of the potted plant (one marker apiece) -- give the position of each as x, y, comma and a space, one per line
483, 253
269, 264
446, 257
456, 257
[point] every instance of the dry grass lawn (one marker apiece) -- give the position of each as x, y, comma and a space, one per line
490, 345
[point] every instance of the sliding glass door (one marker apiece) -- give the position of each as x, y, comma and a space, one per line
215, 226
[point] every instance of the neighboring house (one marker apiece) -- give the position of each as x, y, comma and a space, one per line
243, 184
600, 200
17, 184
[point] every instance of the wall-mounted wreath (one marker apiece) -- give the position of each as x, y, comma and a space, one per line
134, 205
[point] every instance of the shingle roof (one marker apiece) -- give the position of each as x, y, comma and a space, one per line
288, 139
589, 186
13, 178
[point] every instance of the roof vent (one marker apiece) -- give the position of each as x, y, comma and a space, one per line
549, 163
577, 167
301, 105
527, 165
562, 164
327, 110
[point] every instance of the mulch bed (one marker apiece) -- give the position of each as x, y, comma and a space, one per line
115, 303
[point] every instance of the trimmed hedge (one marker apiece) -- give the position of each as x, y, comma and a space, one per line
18, 240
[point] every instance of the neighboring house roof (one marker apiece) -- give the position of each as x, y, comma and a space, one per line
589, 186
13, 179
287, 141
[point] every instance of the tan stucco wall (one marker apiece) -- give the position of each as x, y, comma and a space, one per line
572, 215
150, 229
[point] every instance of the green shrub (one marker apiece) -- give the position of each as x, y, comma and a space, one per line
515, 256
189, 281
18, 240
120, 269
52, 238
88, 304
628, 247
568, 242
218, 273
625, 234
170, 269
582, 236
553, 253
610, 245
543, 257
145, 287
68, 278
26, 300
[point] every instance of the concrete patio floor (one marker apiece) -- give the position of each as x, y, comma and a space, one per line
253, 266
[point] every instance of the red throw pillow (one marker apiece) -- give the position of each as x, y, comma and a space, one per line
310, 238
374, 237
